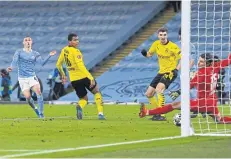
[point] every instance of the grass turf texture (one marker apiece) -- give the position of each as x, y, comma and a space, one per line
20, 129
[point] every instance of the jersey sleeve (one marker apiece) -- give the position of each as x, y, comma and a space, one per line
59, 63
80, 64
152, 49
40, 60
225, 62
176, 50
15, 59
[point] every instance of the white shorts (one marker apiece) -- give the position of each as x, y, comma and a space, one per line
27, 83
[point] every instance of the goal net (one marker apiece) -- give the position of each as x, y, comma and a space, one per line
209, 32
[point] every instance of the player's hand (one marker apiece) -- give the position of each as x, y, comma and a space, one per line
64, 79
144, 53
174, 94
92, 84
9, 69
52, 53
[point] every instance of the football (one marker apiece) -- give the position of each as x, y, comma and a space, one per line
177, 119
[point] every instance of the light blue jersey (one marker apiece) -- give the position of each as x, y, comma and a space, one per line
192, 54
26, 62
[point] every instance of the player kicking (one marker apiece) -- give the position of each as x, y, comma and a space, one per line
80, 77
25, 59
168, 54
205, 81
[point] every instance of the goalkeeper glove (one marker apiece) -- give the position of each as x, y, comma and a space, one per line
175, 94
144, 52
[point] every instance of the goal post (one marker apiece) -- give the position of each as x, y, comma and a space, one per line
185, 42
206, 24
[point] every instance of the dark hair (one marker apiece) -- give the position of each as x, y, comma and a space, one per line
70, 36
179, 32
162, 30
4, 72
208, 58
216, 58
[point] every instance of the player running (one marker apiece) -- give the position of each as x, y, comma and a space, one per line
26, 59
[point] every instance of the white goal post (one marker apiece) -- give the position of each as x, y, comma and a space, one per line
206, 24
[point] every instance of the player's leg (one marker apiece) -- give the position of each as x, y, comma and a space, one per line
35, 85
163, 84
98, 100
81, 92
150, 93
160, 110
24, 85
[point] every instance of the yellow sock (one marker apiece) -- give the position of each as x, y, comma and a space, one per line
161, 100
153, 101
99, 103
82, 103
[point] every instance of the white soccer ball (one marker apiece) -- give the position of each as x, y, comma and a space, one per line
177, 119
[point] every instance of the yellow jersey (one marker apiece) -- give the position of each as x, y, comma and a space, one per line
168, 55
73, 59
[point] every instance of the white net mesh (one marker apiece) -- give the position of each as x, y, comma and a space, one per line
210, 33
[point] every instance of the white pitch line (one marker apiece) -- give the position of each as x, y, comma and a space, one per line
5, 150
47, 118
89, 147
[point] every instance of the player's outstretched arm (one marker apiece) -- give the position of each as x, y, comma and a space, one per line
226, 62
44, 61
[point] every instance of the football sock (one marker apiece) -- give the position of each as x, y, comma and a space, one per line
161, 100
31, 103
99, 103
40, 103
153, 101
161, 110
82, 103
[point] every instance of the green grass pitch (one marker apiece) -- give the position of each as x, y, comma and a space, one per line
25, 136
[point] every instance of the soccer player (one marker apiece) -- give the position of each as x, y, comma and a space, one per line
174, 94
205, 81
168, 54
25, 59
80, 77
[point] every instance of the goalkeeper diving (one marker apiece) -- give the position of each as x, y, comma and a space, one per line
205, 81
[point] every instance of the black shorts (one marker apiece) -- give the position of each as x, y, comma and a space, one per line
81, 86
166, 79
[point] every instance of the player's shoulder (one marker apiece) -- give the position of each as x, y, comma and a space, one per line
19, 50
35, 52
72, 49
156, 42
171, 43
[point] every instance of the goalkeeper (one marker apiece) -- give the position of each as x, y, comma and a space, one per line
205, 81
168, 54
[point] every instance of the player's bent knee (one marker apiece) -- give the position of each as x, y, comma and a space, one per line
148, 95
160, 88
95, 90
84, 98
